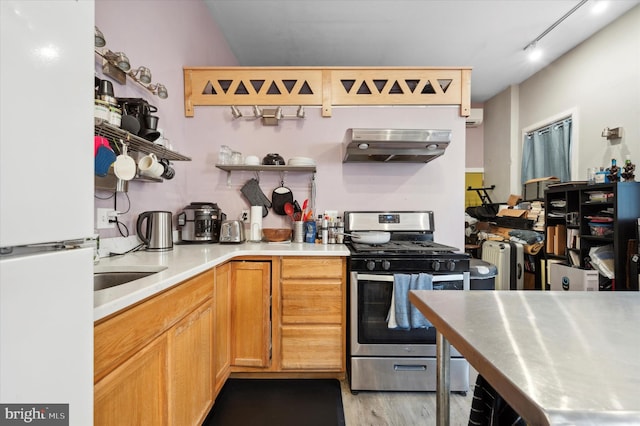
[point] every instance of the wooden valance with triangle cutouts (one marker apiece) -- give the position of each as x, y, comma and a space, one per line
326, 87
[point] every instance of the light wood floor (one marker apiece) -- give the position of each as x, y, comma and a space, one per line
403, 408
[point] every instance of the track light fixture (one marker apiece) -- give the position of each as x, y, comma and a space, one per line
533, 49
99, 38
117, 66
269, 116
534, 52
235, 112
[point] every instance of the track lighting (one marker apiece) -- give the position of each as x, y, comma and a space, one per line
145, 74
235, 112
99, 38
269, 116
158, 89
117, 66
533, 49
534, 52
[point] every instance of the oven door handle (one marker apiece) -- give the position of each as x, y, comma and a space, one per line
389, 278
409, 367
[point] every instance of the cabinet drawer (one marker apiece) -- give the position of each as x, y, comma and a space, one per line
119, 337
312, 347
312, 267
312, 302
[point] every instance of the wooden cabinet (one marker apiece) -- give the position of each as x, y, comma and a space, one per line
312, 313
163, 361
250, 313
568, 236
191, 367
153, 363
222, 326
136, 390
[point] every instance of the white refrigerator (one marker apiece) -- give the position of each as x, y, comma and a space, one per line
46, 205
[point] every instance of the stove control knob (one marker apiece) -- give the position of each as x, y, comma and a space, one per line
435, 265
371, 265
386, 265
451, 265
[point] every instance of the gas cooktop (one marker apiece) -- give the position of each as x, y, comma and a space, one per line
410, 249
403, 247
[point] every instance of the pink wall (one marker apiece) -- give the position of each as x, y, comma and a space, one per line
475, 147
189, 37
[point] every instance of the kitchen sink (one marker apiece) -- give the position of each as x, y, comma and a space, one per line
107, 277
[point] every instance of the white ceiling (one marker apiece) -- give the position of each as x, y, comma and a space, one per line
488, 35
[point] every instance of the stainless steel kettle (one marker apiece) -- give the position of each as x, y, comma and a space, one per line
157, 235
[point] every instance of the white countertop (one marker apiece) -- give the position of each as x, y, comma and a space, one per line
557, 357
183, 262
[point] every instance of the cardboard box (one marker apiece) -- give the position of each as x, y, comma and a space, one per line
551, 239
534, 189
567, 278
560, 241
513, 200
512, 213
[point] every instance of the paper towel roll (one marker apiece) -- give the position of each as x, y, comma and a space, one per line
256, 223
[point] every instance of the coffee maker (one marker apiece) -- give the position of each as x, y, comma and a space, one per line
143, 112
199, 222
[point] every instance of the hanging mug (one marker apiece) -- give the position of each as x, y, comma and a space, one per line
150, 166
169, 171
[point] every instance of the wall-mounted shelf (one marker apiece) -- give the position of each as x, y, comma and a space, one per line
327, 87
262, 168
110, 182
135, 143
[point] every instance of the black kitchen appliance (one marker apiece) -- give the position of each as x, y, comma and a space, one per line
200, 222
383, 358
142, 111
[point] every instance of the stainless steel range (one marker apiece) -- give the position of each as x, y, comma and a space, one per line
382, 356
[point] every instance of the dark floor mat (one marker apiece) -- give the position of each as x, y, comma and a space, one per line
278, 402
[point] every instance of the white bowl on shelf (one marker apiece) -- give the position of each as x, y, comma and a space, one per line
301, 161
252, 160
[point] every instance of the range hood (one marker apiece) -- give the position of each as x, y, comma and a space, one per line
394, 145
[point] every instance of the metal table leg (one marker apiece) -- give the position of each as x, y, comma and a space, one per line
443, 383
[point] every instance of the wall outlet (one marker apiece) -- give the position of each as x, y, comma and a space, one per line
244, 216
102, 219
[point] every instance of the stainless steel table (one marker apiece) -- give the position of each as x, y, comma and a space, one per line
570, 358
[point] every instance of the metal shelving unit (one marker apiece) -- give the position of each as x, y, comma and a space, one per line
242, 167
135, 143
262, 168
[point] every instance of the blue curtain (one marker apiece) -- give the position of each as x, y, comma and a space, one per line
547, 152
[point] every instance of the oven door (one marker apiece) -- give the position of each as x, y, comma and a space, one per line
370, 300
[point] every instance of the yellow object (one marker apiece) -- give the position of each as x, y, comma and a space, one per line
473, 180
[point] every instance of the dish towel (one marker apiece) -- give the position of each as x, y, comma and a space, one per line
402, 314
